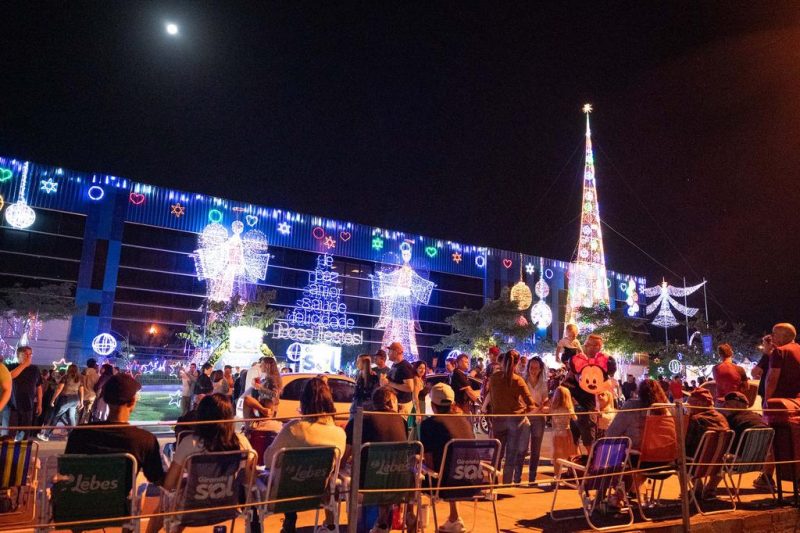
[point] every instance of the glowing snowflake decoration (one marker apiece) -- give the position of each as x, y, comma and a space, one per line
400, 291
48, 186
178, 210
377, 244
329, 242
456, 258
230, 263
530, 269
284, 228
665, 300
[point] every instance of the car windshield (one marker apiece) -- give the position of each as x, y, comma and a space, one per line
342, 390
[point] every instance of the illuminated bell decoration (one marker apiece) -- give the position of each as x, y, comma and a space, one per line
521, 295
20, 215
104, 344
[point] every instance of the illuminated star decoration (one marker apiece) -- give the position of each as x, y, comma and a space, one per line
49, 186
61, 364
665, 299
175, 399
175, 368
178, 210
456, 257
377, 244
529, 268
284, 228
329, 242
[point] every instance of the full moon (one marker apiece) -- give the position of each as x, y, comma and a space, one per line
172, 29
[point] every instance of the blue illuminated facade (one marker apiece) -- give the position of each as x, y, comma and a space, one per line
127, 247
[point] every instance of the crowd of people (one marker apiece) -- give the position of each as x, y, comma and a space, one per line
529, 395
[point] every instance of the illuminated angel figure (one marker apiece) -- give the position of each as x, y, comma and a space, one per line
665, 299
230, 263
400, 291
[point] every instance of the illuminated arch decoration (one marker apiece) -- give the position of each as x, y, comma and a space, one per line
400, 292
229, 264
588, 283
320, 315
20, 215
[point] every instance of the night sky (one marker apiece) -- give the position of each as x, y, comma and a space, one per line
455, 120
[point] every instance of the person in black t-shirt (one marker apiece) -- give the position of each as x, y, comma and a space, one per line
461, 385
26, 393
436, 431
119, 393
203, 384
401, 379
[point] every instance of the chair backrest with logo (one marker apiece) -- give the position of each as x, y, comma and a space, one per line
711, 450
303, 476
659, 440
390, 465
608, 459
90, 487
213, 479
464, 464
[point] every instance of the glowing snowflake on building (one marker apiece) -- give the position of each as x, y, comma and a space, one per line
665, 300
456, 257
377, 244
530, 269
284, 228
400, 291
329, 242
178, 210
48, 186
230, 263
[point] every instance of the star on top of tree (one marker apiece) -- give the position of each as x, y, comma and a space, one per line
587, 108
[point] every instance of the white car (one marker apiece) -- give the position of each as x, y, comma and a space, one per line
342, 388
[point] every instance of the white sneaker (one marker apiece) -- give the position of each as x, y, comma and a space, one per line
376, 529
42, 437
453, 527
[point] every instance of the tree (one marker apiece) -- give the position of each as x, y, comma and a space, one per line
495, 324
621, 333
26, 308
222, 316
744, 344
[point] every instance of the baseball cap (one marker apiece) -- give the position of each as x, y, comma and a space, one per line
120, 389
381, 353
442, 394
702, 395
396, 346
736, 396
494, 350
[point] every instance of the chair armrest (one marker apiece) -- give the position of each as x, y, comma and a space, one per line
486, 466
570, 464
433, 474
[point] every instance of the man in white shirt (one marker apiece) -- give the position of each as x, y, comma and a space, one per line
90, 379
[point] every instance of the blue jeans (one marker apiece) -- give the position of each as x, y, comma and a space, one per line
66, 411
537, 434
513, 432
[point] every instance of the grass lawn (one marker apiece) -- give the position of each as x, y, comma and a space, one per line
153, 405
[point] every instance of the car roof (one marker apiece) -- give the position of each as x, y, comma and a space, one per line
308, 375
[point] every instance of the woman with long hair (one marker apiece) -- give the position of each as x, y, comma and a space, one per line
65, 401
271, 383
420, 387
509, 395
218, 435
562, 412
315, 428
536, 380
366, 383
629, 423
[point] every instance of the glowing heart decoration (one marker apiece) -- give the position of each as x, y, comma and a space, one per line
431, 251
507, 263
5, 174
136, 198
252, 220
345, 236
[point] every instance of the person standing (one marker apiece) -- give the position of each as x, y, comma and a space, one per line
380, 364
509, 395
461, 384
65, 402
676, 388
536, 381
366, 384
188, 379
5, 396
783, 377
728, 376
90, 378
629, 387
401, 379
421, 388
26, 400
203, 385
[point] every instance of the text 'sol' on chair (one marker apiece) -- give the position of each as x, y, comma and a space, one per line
211, 488
19, 478
659, 454
91, 487
603, 474
749, 456
470, 465
707, 464
305, 478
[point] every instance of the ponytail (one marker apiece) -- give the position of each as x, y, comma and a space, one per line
509, 363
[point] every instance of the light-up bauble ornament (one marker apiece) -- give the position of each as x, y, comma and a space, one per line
542, 288
665, 299
229, 264
20, 215
541, 315
521, 295
632, 298
104, 344
675, 366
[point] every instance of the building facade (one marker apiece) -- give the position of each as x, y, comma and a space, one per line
130, 249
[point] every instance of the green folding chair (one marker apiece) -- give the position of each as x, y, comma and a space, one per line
91, 487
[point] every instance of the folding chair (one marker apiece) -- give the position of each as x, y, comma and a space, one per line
304, 476
211, 479
603, 473
659, 445
91, 487
707, 464
751, 452
19, 479
260, 440
468, 463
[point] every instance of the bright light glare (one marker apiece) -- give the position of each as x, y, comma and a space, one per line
172, 29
